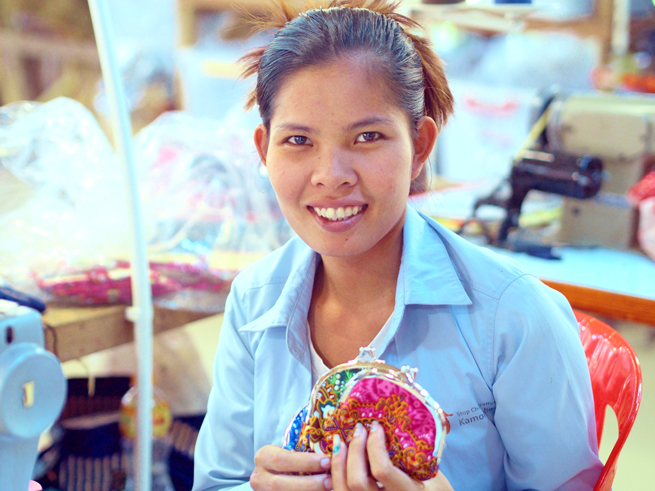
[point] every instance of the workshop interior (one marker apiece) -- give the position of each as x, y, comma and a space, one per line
126, 152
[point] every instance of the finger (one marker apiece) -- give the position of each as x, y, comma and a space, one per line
357, 468
285, 482
382, 468
280, 461
339, 459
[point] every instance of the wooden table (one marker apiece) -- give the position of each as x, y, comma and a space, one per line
616, 284
612, 283
73, 332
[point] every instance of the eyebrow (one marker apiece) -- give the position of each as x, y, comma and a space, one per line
295, 127
354, 126
369, 122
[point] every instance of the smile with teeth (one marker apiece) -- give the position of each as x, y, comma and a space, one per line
338, 214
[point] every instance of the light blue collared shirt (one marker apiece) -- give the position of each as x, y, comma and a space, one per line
496, 348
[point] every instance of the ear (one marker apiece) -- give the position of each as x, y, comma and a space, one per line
424, 140
261, 142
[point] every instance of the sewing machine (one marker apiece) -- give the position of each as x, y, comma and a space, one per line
620, 130
558, 173
32, 393
589, 148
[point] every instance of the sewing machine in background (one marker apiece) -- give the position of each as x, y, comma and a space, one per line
589, 148
32, 393
620, 130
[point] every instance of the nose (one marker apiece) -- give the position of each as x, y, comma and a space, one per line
334, 169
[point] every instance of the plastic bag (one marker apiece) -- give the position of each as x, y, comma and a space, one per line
213, 207
209, 209
489, 125
536, 59
148, 75
74, 217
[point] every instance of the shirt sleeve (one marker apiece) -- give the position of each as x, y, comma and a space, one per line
224, 452
544, 403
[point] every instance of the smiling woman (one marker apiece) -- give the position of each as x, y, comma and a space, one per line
331, 149
352, 100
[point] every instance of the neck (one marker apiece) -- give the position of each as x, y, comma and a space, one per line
353, 297
367, 279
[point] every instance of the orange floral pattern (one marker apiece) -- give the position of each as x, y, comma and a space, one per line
408, 425
325, 401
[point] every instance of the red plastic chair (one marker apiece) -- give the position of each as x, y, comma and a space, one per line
615, 381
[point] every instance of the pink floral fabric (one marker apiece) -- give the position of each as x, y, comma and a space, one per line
409, 426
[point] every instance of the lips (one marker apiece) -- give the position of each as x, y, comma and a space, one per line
338, 214
338, 219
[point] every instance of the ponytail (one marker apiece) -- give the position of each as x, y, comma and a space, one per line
311, 37
439, 102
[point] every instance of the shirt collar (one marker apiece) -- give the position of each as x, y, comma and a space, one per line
427, 277
428, 274
295, 297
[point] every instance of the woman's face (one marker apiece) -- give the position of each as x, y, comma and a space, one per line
341, 155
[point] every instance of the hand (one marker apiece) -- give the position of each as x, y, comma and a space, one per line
350, 466
275, 466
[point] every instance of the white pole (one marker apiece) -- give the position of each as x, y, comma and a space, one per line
620, 40
141, 312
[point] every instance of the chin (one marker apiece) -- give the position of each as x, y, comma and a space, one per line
348, 249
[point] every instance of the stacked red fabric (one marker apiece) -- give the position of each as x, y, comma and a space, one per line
644, 189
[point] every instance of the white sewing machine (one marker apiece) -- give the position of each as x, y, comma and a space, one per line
620, 130
32, 393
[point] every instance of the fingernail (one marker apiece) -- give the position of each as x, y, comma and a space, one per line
325, 463
375, 426
327, 483
336, 444
358, 429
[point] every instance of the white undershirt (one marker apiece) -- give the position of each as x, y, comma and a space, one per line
318, 366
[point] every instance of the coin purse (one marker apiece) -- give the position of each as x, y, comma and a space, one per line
365, 390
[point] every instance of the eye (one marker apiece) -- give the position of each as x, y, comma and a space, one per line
298, 140
369, 136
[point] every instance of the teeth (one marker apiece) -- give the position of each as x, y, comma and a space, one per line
338, 214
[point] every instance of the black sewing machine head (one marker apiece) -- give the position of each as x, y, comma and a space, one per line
566, 175
544, 167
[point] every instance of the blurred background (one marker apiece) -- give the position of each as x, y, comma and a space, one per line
218, 213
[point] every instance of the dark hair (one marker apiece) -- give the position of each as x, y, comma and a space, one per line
414, 73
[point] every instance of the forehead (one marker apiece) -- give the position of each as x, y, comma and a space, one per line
342, 91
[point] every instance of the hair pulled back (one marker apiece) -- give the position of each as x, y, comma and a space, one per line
372, 28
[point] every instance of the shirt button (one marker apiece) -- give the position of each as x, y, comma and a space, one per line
295, 351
